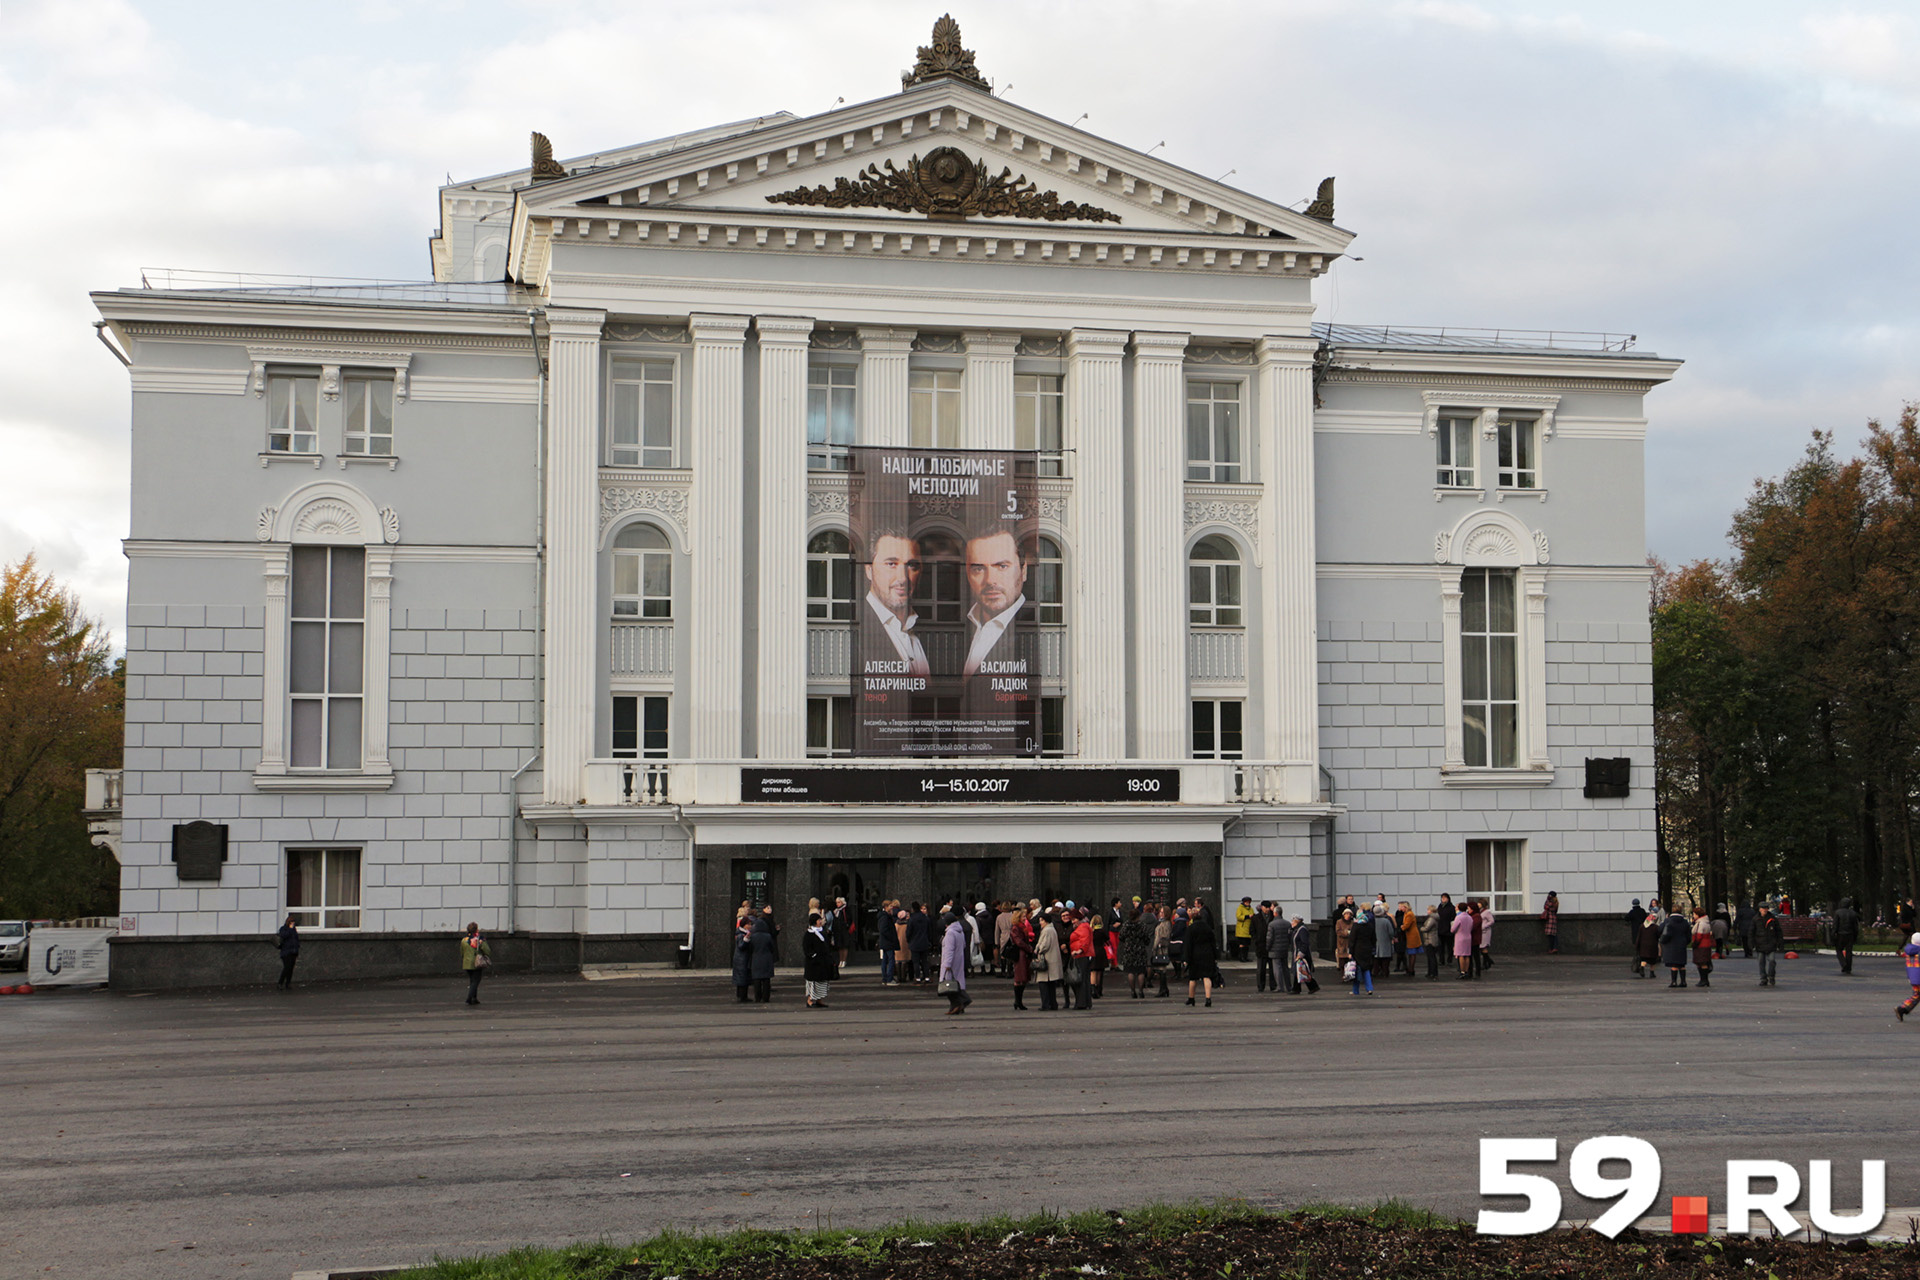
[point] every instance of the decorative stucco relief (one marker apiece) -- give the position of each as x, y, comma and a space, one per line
822, 502
669, 504
1239, 515
263, 529
328, 518
1540, 544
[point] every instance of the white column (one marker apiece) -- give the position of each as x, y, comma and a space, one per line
1097, 684
273, 669
987, 397
715, 431
1159, 546
883, 385
1453, 756
1533, 693
572, 611
780, 568
1290, 688
379, 622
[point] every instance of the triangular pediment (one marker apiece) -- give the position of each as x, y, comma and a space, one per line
943, 153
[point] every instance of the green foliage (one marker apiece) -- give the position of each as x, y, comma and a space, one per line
61, 703
1786, 691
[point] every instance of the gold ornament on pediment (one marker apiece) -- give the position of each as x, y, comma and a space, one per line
944, 58
946, 184
545, 167
1322, 206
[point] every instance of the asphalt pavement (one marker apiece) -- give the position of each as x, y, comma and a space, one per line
249, 1132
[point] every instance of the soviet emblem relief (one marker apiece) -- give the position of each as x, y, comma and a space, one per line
946, 184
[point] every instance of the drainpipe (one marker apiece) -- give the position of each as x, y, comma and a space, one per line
100, 332
680, 817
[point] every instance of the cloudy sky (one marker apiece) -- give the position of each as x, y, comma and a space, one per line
1734, 181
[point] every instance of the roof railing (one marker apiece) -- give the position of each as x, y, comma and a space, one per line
1400, 335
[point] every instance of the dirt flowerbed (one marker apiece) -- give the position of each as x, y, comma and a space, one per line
1385, 1243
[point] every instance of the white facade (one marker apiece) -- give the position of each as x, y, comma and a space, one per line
582, 552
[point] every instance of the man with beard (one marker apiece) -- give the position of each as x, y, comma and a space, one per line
887, 619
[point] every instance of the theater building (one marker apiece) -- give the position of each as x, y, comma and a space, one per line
529, 595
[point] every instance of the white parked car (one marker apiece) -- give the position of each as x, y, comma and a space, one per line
13, 944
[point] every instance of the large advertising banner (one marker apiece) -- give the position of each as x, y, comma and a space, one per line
945, 650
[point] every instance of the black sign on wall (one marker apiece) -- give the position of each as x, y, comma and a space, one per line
958, 785
1609, 778
199, 849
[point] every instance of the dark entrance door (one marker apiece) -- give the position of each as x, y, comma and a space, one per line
965, 880
1164, 881
1081, 881
863, 885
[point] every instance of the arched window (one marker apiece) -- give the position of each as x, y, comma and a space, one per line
1047, 584
1213, 583
829, 577
642, 573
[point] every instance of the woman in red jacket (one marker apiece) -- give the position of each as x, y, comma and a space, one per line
1080, 963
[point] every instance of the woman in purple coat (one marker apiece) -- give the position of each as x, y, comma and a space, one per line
953, 965
1463, 942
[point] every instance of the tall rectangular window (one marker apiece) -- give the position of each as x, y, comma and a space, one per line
1497, 872
1489, 669
369, 415
830, 389
323, 888
1213, 431
640, 726
1217, 729
327, 637
291, 414
1519, 453
1039, 408
1455, 452
642, 418
829, 726
933, 403
829, 577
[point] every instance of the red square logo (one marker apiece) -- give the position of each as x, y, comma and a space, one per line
1689, 1215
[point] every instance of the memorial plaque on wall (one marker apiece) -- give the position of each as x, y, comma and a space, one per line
199, 849
958, 785
945, 640
1609, 778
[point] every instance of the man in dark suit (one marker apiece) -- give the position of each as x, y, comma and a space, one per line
1002, 669
886, 618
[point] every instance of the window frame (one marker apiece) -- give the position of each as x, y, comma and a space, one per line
1511, 430
1216, 728
366, 437
643, 559
1490, 538
1450, 472
825, 566
1480, 668
1053, 737
293, 379
1047, 569
630, 369
325, 907
1513, 899
326, 697
828, 454
1029, 390
652, 727
1210, 469
936, 396
835, 713
1214, 578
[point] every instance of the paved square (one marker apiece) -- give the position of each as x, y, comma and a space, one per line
245, 1132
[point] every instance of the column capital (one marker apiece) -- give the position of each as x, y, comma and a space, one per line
982, 342
712, 328
1161, 346
571, 323
1278, 349
784, 331
882, 340
1096, 342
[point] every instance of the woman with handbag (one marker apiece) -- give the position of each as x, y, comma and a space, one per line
1019, 952
1136, 953
1046, 962
742, 955
476, 957
953, 966
1161, 958
817, 958
1361, 943
1703, 944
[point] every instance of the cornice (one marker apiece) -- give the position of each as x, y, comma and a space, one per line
242, 333
141, 310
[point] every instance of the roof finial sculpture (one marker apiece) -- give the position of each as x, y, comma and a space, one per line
945, 59
1322, 206
545, 167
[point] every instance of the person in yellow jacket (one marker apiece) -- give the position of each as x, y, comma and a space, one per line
1242, 928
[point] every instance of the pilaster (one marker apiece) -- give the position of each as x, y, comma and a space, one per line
273, 669
779, 569
377, 705
1289, 688
572, 610
715, 433
1453, 758
1159, 546
987, 398
1533, 692
883, 385
1097, 689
